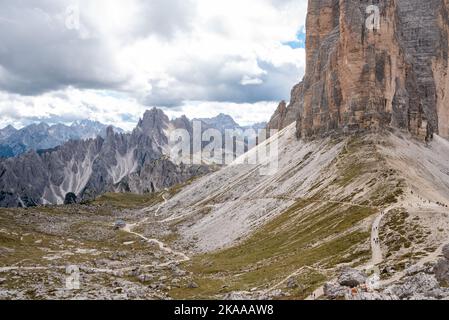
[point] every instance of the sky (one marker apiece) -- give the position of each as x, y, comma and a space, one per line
110, 60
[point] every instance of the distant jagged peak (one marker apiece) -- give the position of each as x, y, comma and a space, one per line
40, 125
110, 132
87, 123
221, 122
153, 119
9, 128
222, 117
7, 131
182, 123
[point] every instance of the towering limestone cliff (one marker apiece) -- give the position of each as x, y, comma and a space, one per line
373, 64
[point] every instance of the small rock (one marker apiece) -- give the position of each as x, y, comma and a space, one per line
179, 273
276, 294
119, 224
388, 270
118, 290
446, 251
144, 278
5, 251
441, 271
414, 270
101, 263
118, 256
237, 296
335, 291
415, 286
70, 199
162, 287
192, 285
2, 280
292, 284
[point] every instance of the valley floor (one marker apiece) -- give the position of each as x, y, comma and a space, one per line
366, 202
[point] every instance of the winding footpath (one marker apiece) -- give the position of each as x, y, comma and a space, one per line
376, 253
181, 257
129, 228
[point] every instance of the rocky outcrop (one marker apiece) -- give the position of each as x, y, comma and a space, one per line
335, 291
286, 115
70, 199
441, 268
446, 251
133, 162
427, 282
352, 278
365, 76
277, 121
442, 271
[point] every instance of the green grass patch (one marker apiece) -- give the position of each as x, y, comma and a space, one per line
308, 235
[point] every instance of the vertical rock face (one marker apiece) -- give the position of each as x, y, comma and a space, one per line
286, 115
366, 74
278, 120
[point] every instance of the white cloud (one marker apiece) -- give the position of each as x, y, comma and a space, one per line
139, 53
243, 113
70, 105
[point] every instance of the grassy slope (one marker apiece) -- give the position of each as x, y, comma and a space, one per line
311, 238
292, 241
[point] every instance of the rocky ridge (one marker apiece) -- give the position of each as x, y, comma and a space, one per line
133, 162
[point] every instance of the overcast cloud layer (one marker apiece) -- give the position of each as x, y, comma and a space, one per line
199, 57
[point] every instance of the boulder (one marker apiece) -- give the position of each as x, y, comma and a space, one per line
441, 271
292, 284
118, 256
335, 291
144, 278
352, 278
70, 199
192, 285
421, 284
446, 251
119, 224
411, 271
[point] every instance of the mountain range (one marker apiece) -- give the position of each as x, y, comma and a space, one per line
136, 162
41, 137
14, 142
224, 122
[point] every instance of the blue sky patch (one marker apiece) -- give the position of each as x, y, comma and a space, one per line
300, 42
